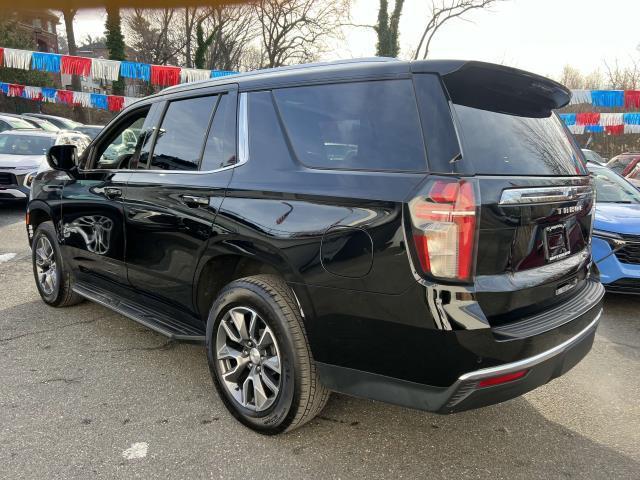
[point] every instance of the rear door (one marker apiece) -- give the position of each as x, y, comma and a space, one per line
174, 195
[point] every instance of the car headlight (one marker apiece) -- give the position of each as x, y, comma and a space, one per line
28, 179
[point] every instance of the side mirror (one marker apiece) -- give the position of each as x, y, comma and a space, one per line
62, 157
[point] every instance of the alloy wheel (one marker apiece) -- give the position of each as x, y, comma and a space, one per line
248, 359
46, 266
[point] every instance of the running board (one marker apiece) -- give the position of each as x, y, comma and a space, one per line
152, 319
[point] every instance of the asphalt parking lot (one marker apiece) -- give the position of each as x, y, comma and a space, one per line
87, 393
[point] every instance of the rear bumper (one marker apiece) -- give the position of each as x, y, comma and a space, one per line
466, 392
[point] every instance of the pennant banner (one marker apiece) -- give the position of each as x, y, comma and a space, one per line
113, 103
102, 69
596, 122
606, 98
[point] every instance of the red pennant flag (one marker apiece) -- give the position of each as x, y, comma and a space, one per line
632, 99
115, 103
65, 96
614, 129
588, 118
16, 90
1, 56
164, 76
75, 65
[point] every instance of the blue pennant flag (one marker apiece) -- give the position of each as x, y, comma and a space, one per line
140, 71
47, 62
99, 100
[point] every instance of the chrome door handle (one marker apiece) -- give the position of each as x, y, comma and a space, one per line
194, 201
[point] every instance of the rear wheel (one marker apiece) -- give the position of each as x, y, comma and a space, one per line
259, 356
52, 279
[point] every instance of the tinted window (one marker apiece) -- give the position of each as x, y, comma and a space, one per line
220, 150
368, 125
502, 144
182, 133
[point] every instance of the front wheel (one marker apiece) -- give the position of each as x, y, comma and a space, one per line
52, 279
259, 356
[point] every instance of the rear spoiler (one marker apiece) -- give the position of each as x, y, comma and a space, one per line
497, 88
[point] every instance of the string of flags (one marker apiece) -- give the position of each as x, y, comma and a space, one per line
628, 99
596, 122
102, 69
112, 103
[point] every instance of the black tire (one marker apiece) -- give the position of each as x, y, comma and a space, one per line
301, 396
62, 295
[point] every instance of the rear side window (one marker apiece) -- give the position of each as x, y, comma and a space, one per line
503, 144
220, 150
181, 137
355, 126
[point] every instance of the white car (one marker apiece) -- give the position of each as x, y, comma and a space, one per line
23, 154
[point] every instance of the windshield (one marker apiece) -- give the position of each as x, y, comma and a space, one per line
48, 127
612, 188
25, 144
502, 144
18, 123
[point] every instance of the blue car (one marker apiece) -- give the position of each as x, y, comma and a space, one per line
616, 231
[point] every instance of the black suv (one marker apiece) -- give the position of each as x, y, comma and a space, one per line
416, 233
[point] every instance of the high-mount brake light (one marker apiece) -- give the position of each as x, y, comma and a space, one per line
444, 224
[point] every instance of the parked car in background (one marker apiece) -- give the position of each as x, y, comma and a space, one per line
35, 122
90, 130
42, 124
60, 122
594, 157
23, 154
633, 176
319, 229
616, 231
624, 163
8, 122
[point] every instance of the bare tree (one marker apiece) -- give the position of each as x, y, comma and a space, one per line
223, 35
156, 36
441, 12
295, 31
593, 81
622, 78
68, 15
190, 18
571, 77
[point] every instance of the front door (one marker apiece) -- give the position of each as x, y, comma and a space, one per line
172, 201
92, 216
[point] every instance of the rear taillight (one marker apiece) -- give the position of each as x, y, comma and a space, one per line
444, 228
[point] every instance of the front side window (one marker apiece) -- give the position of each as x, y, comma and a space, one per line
180, 139
118, 150
355, 126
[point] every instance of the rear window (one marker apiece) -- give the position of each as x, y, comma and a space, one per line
502, 144
355, 126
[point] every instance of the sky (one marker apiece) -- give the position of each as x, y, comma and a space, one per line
537, 35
